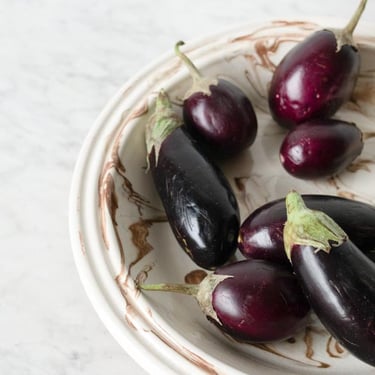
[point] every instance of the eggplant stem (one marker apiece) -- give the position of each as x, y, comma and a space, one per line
195, 73
200, 83
352, 24
187, 289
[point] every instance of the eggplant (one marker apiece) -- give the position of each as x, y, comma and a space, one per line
217, 113
338, 280
198, 200
261, 233
252, 301
320, 148
317, 76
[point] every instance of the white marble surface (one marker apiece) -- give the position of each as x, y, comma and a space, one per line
60, 61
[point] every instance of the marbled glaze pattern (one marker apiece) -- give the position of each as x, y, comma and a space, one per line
60, 61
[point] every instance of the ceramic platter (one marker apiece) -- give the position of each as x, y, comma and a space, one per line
120, 234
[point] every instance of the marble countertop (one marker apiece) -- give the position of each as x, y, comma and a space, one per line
60, 61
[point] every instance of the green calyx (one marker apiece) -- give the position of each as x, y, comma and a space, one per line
345, 35
201, 292
161, 124
309, 227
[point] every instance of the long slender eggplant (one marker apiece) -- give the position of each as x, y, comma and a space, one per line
338, 280
198, 200
251, 301
317, 76
261, 233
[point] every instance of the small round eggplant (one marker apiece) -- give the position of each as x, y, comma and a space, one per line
252, 301
218, 113
198, 200
316, 77
320, 148
338, 280
261, 233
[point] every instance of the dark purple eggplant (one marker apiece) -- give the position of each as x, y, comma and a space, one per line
320, 148
261, 233
317, 76
338, 280
198, 200
218, 113
251, 300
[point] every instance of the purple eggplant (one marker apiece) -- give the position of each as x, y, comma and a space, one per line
261, 233
252, 301
218, 113
317, 76
338, 280
320, 148
198, 200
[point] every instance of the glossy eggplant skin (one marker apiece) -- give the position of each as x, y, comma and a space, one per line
313, 80
198, 200
261, 233
340, 287
224, 122
320, 148
259, 302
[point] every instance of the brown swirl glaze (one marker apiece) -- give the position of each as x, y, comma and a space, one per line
334, 181
360, 164
133, 196
338, 185
334, 349
368, 135
258, 33
143, 274
266, 47
303, 25
271, 350
139, 236
309, 342
108, 199
266, 42
195, 276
